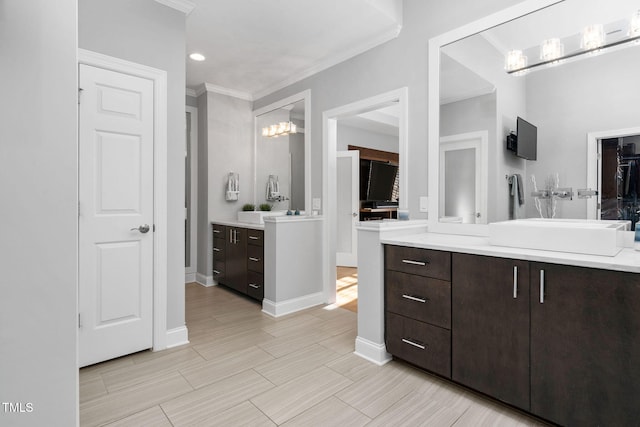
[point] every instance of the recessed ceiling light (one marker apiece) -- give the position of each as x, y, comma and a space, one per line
197, 56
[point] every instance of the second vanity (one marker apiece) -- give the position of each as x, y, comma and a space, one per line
554, 334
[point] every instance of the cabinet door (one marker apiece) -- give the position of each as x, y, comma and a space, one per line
585, 345
490, 326
236, 261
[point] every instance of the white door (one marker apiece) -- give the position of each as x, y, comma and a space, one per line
115, 214
463, 183
348, 207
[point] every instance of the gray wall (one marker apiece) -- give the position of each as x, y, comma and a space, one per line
38, 219
225, 143
471, 115
148, 33
397, 63
191, 101
350, 135
204, 263
571, 100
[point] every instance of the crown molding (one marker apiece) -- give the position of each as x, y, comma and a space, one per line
330, 62
192, 93
184, 6
208, 87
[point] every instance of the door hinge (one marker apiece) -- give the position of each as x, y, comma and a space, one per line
154, 228
79, 93
79, 322
78, 209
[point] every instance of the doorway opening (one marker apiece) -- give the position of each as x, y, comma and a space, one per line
377, 123
620, 179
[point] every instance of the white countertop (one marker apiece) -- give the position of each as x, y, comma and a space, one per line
233, 223
627, 259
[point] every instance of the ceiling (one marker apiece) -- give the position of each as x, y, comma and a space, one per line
254, 47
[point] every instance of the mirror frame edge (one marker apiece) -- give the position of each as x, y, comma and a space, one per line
433, 84
305, 96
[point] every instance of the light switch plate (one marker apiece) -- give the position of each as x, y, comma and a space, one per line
424, 204
316, 205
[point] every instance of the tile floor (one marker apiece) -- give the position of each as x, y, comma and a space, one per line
244, 368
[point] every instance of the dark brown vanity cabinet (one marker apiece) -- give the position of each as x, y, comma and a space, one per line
490, 326
255, 264
585, 345
238, 259
219, 252
558, 341
418, 307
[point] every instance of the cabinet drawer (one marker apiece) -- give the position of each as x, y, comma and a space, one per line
424, 345
255, 259
218, 270
218, 248
218, 231
418, 297
423, 262
255, 285
255, 237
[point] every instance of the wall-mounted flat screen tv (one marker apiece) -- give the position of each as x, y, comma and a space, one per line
525, 143
380, 180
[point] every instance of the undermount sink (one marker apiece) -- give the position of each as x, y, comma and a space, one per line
591, 237
257, 217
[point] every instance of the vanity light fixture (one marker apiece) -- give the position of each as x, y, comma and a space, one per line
516, 61
280, 129
551, 50
592, 40
634, 25
592, 37
197, 56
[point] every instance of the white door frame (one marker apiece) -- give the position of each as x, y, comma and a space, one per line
480, 141
329, 185
190, 273
159, 78
351, 259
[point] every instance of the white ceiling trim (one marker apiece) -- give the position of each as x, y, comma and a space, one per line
191, 92
208, 87
468, 95
330, 62
184, 6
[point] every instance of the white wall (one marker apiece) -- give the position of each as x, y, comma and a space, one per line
225, 144
351, 135
149, 33
395, 64
38, 219
564, 112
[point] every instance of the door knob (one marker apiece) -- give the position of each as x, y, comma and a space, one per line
143, 228
354, 214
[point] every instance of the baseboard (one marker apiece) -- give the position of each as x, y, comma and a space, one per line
282, 308
374, 353
205, 280
189, 277
177, 336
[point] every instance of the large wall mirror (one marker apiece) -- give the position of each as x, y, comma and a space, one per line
570, 69
282, 162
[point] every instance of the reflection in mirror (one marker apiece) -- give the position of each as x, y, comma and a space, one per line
574, 87
280, 159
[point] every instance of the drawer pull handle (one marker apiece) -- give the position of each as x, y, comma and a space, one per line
415, 344
254, 238
216, 249
420, 263
515, 281
253, 285
216, 272
412, 298
541, 286
217, 231
254, 259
